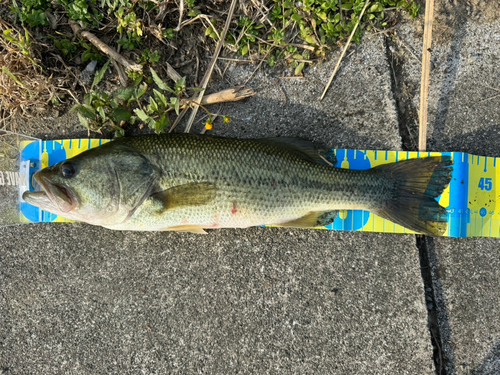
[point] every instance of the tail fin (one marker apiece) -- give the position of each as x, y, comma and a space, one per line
416, 184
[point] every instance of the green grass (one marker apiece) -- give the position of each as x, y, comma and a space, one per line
296, 34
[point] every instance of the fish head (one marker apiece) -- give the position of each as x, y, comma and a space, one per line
101, 186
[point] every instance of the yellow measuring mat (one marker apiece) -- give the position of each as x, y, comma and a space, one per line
470, 199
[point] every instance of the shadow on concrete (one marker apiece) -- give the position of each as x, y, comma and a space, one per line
292, 120
457, 20
491, 363
483, 141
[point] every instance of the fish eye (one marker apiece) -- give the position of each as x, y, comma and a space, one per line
68, 170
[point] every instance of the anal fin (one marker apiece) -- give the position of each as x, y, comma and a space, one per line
312, 220
186, 228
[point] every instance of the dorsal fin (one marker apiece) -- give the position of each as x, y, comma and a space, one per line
302, 148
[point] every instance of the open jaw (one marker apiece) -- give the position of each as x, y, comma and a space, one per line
54, 197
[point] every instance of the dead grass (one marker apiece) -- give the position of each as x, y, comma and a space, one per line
24, 88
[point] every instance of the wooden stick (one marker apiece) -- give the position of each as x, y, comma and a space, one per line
344, 51
230, 95
172, 73
208, 73
105, 48
181, 10
426, 68
121, 74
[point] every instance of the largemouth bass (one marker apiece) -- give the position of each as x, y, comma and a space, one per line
188, 182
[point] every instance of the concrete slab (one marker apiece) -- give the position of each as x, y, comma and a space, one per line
464, 115
80, 299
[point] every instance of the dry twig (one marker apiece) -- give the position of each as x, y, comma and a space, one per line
406, 46
208, 73
230, 95
181, 11
426, 68
344, 51
105, 48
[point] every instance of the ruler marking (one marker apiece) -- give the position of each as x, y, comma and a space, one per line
449, 225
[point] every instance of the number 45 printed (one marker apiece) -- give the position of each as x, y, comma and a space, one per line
485, 184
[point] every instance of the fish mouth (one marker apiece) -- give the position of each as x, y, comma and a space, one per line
55, 195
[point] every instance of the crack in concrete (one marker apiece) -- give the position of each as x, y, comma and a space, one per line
408, 131
442, 361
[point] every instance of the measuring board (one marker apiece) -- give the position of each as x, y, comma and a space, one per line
470, 199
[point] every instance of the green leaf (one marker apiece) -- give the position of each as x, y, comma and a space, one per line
180, 84
160, 98
141, 90
101, 113
119, 132
142, 115
87, 55
124, 93
75, 107
12, 76
297, 18
100, 74
153, 106
151, 123
137, 79
310, 40
377, 7
161, 123
83, 121
158, 80
120, 114
6, 35
176, 103
87, 111
298, 69
243, 50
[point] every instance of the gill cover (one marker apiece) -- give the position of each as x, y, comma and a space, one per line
99, 186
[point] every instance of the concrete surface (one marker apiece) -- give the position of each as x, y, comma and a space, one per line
464, 115
76, 299
83, 300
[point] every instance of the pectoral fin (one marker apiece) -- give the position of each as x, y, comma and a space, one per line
186, 228
312, 220
195, 194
